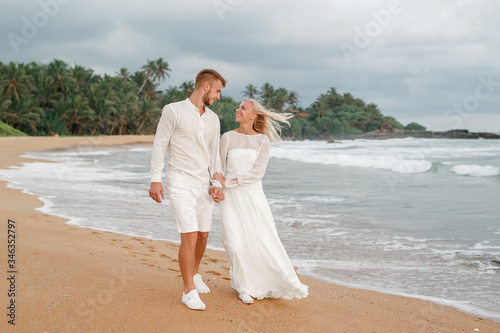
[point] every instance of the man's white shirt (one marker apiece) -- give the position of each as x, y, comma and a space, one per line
192, 142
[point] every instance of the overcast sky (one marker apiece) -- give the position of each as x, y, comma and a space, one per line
435, 62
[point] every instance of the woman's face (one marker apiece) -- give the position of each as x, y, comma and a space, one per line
244, 113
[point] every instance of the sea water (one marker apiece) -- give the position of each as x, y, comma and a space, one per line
413, 217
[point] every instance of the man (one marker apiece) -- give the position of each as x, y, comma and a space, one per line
190, 131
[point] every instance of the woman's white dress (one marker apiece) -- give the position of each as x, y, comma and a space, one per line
259, 264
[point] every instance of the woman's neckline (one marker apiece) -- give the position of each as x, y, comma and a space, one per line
234, 131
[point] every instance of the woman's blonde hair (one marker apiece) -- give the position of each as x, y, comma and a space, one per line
267, 121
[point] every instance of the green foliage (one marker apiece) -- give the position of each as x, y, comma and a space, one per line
414, 127
389, 123
6, 130
55, 98
225, 109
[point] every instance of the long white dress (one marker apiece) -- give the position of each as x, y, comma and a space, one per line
260, 266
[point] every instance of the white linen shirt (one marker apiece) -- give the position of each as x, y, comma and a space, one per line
192, 142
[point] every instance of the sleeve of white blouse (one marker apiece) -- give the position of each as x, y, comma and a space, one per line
215, 165
164, 131
224, 144
259, 168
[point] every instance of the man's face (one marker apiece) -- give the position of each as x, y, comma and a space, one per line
213, 93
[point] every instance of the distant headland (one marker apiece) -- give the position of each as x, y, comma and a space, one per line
401, 133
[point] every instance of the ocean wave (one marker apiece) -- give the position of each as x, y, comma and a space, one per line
476, 170
318, 199
404, 166
62, 155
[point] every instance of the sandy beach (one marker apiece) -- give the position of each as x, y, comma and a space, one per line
71, 279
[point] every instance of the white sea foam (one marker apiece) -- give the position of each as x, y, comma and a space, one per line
318, 199
486, 246
378, 162
385, 155
476, 170
404, 156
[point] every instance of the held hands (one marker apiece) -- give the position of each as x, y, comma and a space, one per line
216, 193
156, 192
220, 178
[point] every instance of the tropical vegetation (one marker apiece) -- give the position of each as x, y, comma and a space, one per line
6, 130
59, 99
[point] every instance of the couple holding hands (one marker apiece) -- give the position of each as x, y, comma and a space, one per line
204, 168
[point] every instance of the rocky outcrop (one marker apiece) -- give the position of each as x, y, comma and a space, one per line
398, 134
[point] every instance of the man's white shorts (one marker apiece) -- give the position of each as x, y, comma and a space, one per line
192, 207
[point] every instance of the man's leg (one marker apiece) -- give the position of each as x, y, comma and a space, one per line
201, 245
187, 259
183, 202
186, 262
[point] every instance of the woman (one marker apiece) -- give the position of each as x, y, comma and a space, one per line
259, 264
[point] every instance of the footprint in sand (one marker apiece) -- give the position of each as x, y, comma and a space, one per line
146, 262
142, 254
212, 259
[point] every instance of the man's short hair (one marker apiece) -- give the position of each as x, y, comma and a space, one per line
209, 75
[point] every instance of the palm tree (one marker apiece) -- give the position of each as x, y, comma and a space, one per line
293, 99
187, 87
162, 70
21, 115
374, 116
266, 93
58, 69
250, 91
154, 71
4, 105
79, 76
174, 94
76, 114
320, 105
333, 98
15, 82
102, 109
348, 99
123, 74
150, 90
279, 99
148, 111
44, 92
122, 121
5, 112
35, 72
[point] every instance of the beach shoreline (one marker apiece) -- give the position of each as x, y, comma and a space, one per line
77, 279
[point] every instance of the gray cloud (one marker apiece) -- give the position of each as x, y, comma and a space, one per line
415, 63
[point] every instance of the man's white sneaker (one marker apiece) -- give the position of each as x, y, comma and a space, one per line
246, 298
192, 300
201, 287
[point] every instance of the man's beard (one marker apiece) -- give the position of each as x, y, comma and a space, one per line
206, 99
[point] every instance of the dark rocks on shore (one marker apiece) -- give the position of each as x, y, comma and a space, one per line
399, 134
